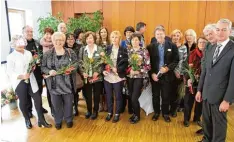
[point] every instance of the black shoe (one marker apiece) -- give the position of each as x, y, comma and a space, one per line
108, 117
30, 115
132, 117
44, 110
69, 124
94, 115
116, 118
58, 126
155, 117
174, 114
135, 120
199, 132
199, 123
76, 112
180, 110
167, 118
44, 124
28, 124
186, 123
87, 115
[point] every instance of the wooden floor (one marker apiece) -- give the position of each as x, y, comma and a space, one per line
13, 129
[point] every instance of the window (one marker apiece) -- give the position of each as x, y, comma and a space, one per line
16, 21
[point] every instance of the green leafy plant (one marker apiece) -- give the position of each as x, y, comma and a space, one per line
85, 22
49, 21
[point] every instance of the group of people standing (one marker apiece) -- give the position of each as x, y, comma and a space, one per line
163, 63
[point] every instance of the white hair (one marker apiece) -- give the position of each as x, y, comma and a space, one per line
209, 27
56, 34
60, 24
226, 21
191, 32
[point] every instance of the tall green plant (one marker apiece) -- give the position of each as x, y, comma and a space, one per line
49, 21
85, 22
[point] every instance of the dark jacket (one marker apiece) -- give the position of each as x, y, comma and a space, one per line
59, 84
34, 47
217, 80
194, 45
122, 60
171, 59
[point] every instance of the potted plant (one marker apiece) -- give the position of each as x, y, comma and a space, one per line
49, 21
8, 96
85, 22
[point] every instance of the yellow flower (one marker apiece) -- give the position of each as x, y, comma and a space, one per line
91, 60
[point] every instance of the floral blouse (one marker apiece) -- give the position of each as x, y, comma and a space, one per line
142, 55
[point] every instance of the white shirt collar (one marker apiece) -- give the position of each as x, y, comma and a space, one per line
89, 53
223, 45
225, 42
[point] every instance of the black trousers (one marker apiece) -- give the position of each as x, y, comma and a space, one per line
134, 87
40, 86
117, 87
174, 102
48, 96
23, 91
188, 105
161, 88
214, 123
62, 105
126, 98
96, 89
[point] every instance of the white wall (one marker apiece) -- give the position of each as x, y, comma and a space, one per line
33, 8
4, 33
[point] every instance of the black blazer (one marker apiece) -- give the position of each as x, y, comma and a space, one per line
171, 59
217, 80
122, 60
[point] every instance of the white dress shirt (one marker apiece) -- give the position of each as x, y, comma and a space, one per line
17, 64
223, 45
90, 55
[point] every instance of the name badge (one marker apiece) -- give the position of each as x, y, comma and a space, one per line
169, 50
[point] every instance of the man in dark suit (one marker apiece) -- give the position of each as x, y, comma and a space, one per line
216, 84
35, 48
164, 58
154, 40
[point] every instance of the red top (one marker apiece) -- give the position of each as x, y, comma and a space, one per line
195, 60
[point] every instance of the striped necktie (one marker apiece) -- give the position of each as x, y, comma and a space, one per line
216, 54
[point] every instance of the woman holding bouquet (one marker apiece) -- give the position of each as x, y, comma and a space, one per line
61, 84
193, 78
71, 44
113, 80
17, 65
139, 63
91, 69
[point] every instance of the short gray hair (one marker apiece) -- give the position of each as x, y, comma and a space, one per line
159, 28
25, 27
226, 21
209, 27
58, 34
59, 25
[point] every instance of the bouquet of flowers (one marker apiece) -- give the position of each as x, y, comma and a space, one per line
64, 70
190, 71
89, 66
8, 96
32, 64
107, 60
135, 62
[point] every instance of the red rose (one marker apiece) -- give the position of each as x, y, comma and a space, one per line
67, 72
128, 70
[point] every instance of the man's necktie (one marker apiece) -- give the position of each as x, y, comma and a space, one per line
216, 54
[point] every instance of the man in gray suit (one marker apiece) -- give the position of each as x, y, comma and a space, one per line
216, 84
210, 33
